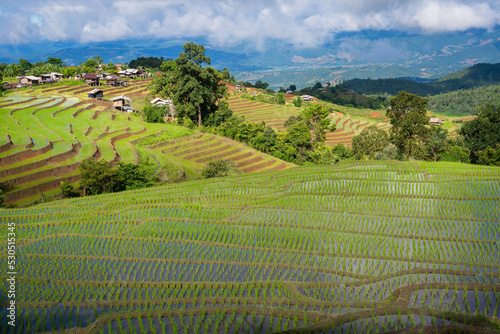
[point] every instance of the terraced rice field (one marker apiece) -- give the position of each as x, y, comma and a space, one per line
199, 149
348, 127
276, 115
45, 133
365, 247
254, 111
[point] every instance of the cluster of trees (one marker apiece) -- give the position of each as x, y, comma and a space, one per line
464, 102
147, 62
258, 84
301, 142
195, 88
411, 136
24, 66
52, 64
98, 177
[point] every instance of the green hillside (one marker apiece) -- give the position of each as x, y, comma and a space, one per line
356, 247
472, 77
47, 131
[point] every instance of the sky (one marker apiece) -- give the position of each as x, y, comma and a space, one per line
302, 23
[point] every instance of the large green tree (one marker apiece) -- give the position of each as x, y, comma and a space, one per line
198, 88
409, 121
482, 132
195, 87
370, 141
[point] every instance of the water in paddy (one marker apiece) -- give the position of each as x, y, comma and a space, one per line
469, 301
387, 323
211, 323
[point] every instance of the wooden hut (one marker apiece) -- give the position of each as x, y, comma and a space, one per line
96, 94
121, 101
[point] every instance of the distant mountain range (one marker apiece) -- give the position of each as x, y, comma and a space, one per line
472, 77
365, 54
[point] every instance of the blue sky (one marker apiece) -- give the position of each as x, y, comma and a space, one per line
301, 23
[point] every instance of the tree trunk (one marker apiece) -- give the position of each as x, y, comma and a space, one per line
199, 116
172, 111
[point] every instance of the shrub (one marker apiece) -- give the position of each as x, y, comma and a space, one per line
388, 153
68, 190
153, 114
217, 168
281, 98
297, 101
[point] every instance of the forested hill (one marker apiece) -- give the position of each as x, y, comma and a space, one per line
475, 76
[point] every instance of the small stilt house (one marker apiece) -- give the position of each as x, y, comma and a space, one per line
29, 80
91, 79
121, 101
96, 94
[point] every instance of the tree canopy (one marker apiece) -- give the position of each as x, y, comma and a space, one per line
370, 141
196, 90
316, 115
482, 132
409, 121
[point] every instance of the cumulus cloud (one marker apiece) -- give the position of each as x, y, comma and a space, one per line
304, 23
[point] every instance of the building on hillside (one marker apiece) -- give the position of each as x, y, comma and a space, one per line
157, 102
29, 80
96, 94
132, 73
46, 78
436, 121
119, 102
307, 98
91, 79
112, 80
51, 77
238, 88
289, 92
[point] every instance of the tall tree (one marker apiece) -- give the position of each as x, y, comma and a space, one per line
409, 121
55, 61
196, 90
482, 132
316, 115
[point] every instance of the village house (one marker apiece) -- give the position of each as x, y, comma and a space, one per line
112, 80
119, 102
51, 77
29, 80
307, 98
157, 102
436, 121
132, 73
166, 103
96, 94
91, 79
238, 88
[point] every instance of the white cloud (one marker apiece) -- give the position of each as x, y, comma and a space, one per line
226, 22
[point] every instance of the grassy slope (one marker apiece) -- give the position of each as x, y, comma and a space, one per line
395, 244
